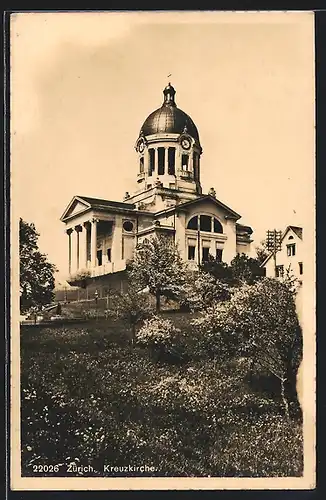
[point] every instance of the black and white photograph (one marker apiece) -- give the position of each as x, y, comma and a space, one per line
162, 176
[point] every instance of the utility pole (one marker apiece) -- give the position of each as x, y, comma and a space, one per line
273, 241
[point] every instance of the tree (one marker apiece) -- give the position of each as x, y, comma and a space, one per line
242, 269
219, 270
201, 290
157, 264
262, 252
36, 273
133, 307
260, 321
245, 269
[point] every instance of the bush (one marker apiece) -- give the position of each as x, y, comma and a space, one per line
133, 307
162, 338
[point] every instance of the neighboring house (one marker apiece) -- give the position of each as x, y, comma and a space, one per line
168, 199
289, 257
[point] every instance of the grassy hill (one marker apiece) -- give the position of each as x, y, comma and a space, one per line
88, 397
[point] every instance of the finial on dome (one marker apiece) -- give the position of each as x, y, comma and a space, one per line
169, 93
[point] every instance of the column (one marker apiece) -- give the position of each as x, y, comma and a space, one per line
83, 251
78, 229
116, 252
69, 231
94, 242
73, 251
166, 161
146, 162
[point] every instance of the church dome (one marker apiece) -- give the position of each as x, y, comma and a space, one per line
169, 119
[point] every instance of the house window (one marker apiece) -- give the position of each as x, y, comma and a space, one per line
99, 257
161, 159
301, 267
191, 252
279, 271
205, 254
151, 165
171, 161
108, 252
219, 252
290, 249
185, 161
205, 223
290, 238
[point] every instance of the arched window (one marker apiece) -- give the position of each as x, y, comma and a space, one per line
141, 164
205, 224
290, 237
218, 228
192, 224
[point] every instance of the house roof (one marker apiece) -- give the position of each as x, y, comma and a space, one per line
200, 199
296, 229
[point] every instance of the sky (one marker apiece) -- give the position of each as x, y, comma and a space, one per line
82, 84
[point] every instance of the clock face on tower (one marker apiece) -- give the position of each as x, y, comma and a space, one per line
185, 143
141, 146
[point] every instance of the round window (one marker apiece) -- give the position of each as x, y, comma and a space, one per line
128, 225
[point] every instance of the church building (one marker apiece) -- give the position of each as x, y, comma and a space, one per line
168, 199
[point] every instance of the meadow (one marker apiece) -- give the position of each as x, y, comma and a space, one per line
88, 397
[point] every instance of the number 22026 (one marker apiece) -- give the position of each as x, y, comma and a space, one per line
45, 468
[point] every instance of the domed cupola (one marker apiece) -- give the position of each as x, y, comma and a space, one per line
169, 119
169, 148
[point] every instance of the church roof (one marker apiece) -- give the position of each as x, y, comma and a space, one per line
200, 199
169, 119
100, 203
83, 203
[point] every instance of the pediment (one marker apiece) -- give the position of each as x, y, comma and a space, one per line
75, 207
209, 200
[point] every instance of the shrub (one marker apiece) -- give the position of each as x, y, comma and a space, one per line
80, 278
133, 307
162, 338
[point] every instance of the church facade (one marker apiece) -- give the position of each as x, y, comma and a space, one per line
168, 199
